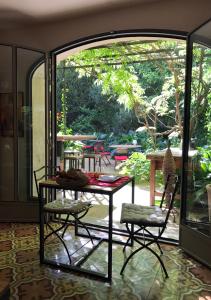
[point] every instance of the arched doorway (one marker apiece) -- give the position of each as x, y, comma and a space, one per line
135, 51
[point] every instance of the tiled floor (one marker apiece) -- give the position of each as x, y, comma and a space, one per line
143, 278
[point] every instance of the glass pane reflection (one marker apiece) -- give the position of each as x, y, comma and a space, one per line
199, 177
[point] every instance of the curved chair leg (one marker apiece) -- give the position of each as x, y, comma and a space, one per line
58, 229
74, 216
84, 226
127, 260
161, 251
139, 249
63, 242
66, 226
160, 260
129, 238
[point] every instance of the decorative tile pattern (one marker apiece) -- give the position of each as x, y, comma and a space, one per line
143, 278
5, 246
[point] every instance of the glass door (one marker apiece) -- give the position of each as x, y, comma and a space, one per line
22, 130
195, 230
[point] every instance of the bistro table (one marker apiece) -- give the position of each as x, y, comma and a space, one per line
156, 163
95, 187
68, 137
125, 147
77, 137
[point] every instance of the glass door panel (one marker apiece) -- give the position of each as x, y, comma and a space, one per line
27, 61
199, 182
195, 229
6, 125
21, 90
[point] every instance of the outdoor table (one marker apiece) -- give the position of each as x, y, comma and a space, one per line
95, 187
125, 147
156, 163
70, 152
63, 138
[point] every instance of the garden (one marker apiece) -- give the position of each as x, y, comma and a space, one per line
133, 92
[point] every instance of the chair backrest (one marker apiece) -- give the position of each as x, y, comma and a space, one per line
73, 162
43, 173
171, 185
98, 147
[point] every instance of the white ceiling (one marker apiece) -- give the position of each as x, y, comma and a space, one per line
49, 24
23, 11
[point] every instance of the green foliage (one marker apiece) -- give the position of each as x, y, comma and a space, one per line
87, 109
116, 88
74, 145
146, 77
205, 161
201, 95
137, 165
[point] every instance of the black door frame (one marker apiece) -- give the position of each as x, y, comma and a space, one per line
194, 243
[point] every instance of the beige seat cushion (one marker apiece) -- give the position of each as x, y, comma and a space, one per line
142, 215
66, 206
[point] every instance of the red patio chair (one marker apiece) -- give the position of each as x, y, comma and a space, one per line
120, 158
100, 150
121, 155
87, 148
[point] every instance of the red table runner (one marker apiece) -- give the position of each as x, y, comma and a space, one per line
93, 180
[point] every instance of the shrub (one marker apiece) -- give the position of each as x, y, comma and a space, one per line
137, 165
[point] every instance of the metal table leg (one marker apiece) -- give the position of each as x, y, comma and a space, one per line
41, 219
110, 229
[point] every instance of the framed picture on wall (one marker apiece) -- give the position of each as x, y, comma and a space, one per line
6, 115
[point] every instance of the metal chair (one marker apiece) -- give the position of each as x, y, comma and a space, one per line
90, 161
69, 207
120, 155
147, 218
72, 159
100, 150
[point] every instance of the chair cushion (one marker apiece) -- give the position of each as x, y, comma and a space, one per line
142, 215
122, 157
87, 147
67, 206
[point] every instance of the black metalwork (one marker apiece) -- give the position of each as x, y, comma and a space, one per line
93, 159
77, 214
121, 34
109, 191
192, 240
144, 224
187, 100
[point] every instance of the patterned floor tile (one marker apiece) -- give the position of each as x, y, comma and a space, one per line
143, 278
5, 245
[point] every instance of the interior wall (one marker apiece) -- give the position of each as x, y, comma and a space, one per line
176, 15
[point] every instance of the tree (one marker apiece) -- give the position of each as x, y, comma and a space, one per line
119, 69
87, 110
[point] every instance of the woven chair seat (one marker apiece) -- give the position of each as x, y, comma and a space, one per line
138, 214
67, 206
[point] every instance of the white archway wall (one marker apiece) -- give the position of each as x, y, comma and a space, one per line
38, 119
178, 15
